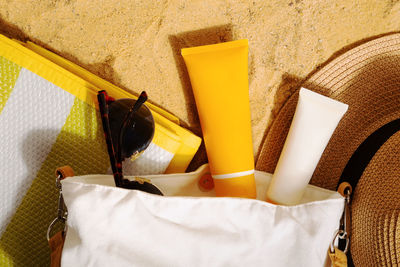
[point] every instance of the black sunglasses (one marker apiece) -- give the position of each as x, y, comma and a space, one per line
128, 129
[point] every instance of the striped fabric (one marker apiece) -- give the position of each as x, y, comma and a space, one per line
45, 123
42, 128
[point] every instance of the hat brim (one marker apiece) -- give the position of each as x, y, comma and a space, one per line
375, 233
367, 78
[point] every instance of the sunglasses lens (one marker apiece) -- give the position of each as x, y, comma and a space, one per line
137, 134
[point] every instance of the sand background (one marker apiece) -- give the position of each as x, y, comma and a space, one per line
136, 44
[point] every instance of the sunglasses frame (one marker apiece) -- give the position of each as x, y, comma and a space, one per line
115, 152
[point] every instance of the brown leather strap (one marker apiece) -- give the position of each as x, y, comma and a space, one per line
343, 187
338, 258
56, 244
65, 171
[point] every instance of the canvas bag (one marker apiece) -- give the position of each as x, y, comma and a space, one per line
109, 226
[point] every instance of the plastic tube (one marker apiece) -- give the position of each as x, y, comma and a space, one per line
218, 74
313, 124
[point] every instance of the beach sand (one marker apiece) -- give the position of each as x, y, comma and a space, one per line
136, 44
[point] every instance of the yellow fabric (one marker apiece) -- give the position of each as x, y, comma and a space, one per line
9, 72
166, 139
338, 258
85, 86
24, 240
93, 79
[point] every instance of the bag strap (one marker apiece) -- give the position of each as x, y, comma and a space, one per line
64, 172
56, 242
360, 159
338, 258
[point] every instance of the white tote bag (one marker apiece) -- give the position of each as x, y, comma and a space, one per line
110, 226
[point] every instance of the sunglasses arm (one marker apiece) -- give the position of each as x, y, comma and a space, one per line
103, 106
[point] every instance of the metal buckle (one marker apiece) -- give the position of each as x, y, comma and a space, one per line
61, 212
341, 235
345, 224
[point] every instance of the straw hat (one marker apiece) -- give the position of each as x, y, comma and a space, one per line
367, 78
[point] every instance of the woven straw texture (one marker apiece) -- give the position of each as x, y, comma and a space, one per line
367, 78
376, 209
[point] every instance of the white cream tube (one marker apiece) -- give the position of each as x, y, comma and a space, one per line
313, 124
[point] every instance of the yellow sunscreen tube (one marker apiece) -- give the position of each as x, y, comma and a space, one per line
218, 74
